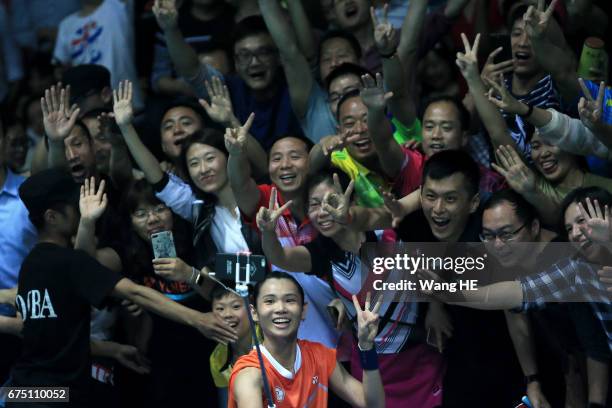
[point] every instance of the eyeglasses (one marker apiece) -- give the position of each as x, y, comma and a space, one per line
334, 97
142, 214
263, 54
505, 236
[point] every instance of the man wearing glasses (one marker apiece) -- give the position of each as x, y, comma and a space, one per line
258, 85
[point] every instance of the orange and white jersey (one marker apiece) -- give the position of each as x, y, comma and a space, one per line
306, 386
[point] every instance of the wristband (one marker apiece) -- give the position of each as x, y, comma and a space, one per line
369, 359
529, 112
531, 378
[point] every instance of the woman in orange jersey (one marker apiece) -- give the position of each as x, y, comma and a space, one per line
300, 372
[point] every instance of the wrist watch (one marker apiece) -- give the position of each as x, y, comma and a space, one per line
531, 378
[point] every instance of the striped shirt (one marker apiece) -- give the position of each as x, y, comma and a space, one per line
569, 280
544, 95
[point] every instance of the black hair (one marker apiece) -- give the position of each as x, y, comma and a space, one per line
446, 163
219, 292
513, 14
276, 275
138, 252
186, 102
37, 218
309, 144
249, 26
346, 69
327, 176
355, 93
345, 35
207, 136
523, 209
580, 195
464, 115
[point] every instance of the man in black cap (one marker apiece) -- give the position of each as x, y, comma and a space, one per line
90, 87
58, 285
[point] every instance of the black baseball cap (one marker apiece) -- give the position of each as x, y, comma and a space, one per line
85, 80
43, 190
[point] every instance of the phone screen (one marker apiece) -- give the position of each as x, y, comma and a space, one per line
501, 40
163, 245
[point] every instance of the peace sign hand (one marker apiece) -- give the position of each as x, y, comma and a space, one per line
537, 19
598, 226
468, 61
267, 217
236, 138
333, 143
386, 36
367, 322
517, 174
500, 96
591, 110
336, 204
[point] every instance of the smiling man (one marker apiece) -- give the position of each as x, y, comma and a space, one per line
288, 168
259, 85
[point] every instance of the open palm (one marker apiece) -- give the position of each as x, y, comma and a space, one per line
58, 118
122, 103
92, 203
597, 221
220, 108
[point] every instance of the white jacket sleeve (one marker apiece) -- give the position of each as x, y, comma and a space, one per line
178, 196
571, 135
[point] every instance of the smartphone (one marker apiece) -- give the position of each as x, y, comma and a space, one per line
163, 245
226, 266
501, 40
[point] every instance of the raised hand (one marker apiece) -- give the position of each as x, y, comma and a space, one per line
591, 110
373, 92
491, 71
394, 207
108, 128
517, 174
220, 107
122, 103
58, 117
337, 204
468, 61
598, 223
367, 321
537, 19
166, 14
236, 138
502, 98
92, 203
267, 217
386, 37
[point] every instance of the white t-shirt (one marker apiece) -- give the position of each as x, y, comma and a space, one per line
226, 231
105, 37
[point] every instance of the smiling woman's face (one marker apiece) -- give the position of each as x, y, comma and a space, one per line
207, 167
553, 163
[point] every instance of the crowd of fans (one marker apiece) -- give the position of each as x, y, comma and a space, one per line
301, 130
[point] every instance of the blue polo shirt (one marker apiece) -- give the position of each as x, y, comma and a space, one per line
17, 235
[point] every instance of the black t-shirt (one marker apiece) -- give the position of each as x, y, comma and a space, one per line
482, 368
57, 287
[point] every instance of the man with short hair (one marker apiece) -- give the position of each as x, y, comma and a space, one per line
288, 169
480, 346
258, 86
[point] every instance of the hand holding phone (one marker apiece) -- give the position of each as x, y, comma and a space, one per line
163, 245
